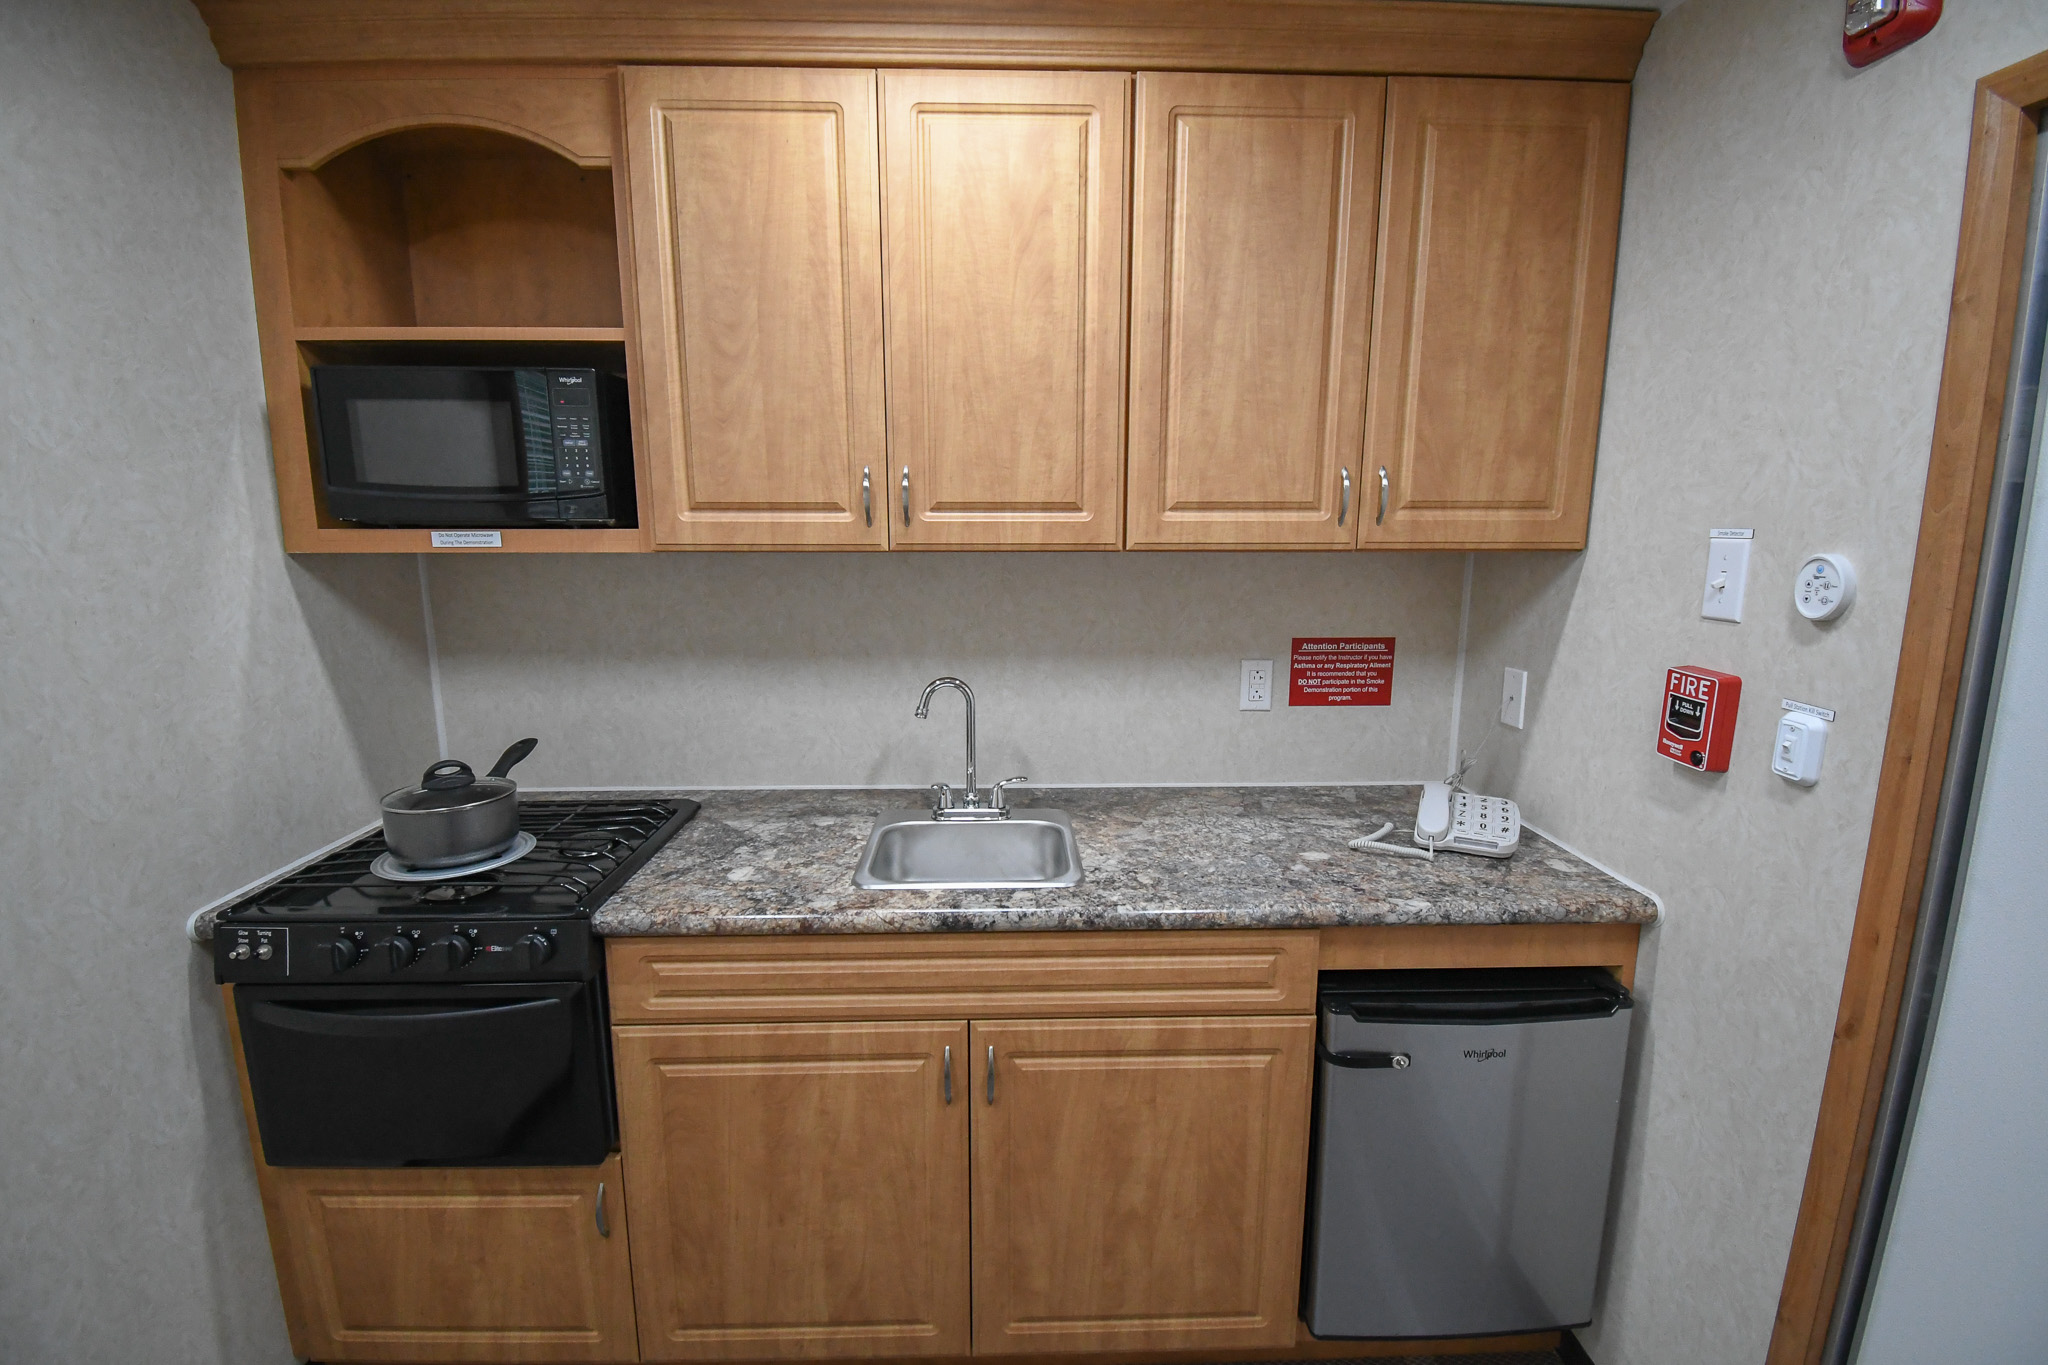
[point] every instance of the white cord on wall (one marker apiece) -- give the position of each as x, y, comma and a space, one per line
433, 660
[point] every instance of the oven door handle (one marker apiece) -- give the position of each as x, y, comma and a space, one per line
345, 1024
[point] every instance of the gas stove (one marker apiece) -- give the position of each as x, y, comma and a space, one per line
335, 920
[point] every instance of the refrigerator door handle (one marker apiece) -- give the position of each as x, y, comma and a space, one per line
1362, 1061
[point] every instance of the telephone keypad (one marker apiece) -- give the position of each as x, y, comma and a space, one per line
1484, 824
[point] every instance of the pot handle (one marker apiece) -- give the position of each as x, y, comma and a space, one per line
516, 754
447, 775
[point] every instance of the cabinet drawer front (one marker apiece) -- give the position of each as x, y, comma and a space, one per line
447, 1264
983, 976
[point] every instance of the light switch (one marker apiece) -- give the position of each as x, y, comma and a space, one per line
1797, 750
1727, 574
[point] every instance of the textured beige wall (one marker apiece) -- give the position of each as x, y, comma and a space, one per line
182, 709
1788, 244
724, 669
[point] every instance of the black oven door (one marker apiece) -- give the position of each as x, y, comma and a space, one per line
425, 1076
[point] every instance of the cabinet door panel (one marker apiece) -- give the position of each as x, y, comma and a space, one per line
803, 1187
1139, 1184
757, 237
1005, 199
469, 1265
1502, 200
1251, 261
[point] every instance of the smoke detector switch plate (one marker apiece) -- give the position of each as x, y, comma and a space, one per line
1727, 574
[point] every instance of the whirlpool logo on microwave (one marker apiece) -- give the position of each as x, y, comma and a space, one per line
1484, 1054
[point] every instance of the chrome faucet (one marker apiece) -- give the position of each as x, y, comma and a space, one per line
970, 805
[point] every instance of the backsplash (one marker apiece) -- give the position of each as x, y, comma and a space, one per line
789, 669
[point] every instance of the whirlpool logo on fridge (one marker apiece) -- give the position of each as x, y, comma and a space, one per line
1484, 1054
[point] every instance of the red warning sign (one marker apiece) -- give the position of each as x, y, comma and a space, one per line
1342, 672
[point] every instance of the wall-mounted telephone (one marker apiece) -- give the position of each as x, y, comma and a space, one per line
1490, 826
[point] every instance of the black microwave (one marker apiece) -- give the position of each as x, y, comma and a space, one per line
469, 446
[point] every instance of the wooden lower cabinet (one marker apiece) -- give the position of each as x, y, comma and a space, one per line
1139, 1184
802, 1190
798, 1190
453, 1265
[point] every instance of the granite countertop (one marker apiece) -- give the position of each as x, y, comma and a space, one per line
781, 862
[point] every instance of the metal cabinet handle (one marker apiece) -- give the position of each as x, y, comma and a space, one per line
1381, 519
991, 1073
867, 496
947, 1073
1344, 499
604, 1227
906, 495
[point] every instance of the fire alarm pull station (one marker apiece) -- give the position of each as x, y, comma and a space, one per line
1877, 28
1699, 718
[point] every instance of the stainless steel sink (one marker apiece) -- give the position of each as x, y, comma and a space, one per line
911, 851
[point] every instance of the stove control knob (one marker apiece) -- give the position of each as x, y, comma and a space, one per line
397, 950
531, 951
341, 954
450, 953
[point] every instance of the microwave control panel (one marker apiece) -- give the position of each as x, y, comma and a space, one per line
572, 401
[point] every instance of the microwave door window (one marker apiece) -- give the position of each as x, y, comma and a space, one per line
439, 443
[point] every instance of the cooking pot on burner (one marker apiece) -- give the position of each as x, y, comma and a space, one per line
454, 817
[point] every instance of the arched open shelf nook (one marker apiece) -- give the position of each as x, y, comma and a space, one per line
468, 232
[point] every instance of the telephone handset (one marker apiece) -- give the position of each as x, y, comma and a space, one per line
1490, 826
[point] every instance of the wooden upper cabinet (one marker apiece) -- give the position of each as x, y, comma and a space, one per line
757, 252
799, 1191
1139, 1183
453, 1264
1251, 264
1004, 197
1500, 206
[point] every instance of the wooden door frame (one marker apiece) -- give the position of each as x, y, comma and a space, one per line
1960, 472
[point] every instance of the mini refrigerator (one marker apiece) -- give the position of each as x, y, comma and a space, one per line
1465, 1125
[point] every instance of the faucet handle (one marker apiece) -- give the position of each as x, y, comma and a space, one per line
998, 798
942, 796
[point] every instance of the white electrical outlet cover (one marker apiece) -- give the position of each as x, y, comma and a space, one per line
1254, 684
1825, 587
1514, 696
1727, 574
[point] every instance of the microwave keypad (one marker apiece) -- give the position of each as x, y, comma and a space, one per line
576, 465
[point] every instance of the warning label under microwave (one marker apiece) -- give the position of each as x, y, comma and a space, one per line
1342, 672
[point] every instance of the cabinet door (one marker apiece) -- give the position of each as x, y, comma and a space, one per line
757, 246
1500, 208
800, 1190
469, 1265
1005, 198
1251, 267
1139, 1184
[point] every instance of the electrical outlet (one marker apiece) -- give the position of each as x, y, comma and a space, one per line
1255, 685
1514, 696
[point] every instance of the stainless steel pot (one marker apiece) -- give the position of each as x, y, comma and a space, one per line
453, 816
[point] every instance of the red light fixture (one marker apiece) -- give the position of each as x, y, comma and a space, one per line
1877, 28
